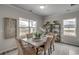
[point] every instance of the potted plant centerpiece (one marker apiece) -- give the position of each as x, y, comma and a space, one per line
37, 35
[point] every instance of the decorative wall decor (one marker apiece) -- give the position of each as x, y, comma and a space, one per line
10, 28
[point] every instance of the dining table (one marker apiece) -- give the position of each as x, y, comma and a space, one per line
35, 42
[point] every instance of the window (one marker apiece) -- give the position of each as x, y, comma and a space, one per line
69, 27
26, 26
32, 26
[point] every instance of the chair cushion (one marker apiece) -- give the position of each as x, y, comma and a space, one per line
29, 51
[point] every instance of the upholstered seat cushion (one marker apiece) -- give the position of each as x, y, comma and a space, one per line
29, 51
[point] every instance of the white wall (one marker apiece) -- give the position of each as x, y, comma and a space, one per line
8, 11
60, 18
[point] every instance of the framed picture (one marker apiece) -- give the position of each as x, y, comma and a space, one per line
10, 28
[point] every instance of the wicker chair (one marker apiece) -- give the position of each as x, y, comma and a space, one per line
46, 46
22, 50
52, 37
52, 43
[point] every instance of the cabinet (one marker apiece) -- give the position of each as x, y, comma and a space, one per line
57, 31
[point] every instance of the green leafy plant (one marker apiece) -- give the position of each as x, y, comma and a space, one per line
37, 35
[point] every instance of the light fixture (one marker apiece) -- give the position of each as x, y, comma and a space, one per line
42, 7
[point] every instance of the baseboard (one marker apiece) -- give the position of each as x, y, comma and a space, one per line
69, 44
5, 52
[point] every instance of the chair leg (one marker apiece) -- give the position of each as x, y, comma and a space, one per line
53, 48
49, 51
44, 52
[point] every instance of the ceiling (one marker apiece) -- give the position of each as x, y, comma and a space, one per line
50, 9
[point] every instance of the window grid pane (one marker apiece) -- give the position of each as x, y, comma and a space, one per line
32, 23
23, 31
70, 27
26, 26
32, 30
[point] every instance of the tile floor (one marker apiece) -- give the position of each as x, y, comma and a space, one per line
64, 49
60, 49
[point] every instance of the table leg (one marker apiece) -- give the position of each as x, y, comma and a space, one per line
37, 51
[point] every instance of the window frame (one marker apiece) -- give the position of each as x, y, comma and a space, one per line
29, 27
74, 28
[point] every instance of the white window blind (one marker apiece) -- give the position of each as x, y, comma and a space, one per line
69, 27
27, 26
